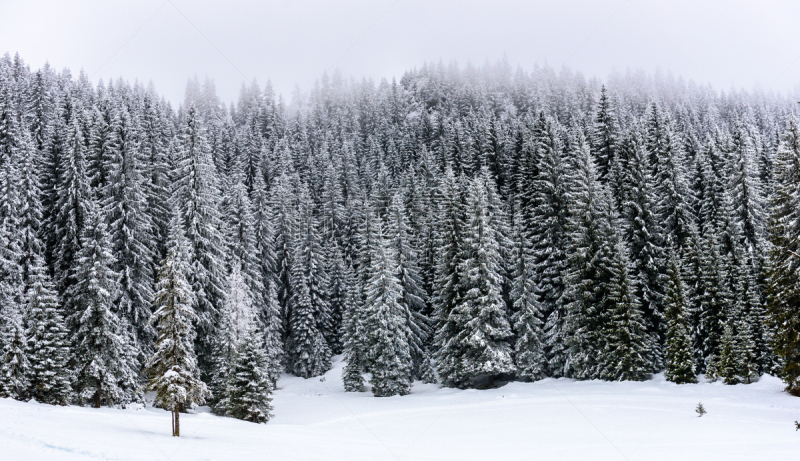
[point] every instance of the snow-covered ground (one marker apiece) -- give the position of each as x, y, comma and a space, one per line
547, 420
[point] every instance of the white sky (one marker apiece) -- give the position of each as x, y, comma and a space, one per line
723, 42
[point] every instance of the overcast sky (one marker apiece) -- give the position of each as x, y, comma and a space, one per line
740, 43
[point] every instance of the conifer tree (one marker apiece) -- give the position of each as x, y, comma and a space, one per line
247, 394
529, 354
104, 371
172, 369
197, 199
48, 346
385, 323
270, 316
591, 247
678, 355
130, 229
625, 355
479, 348
727, 366
644, 236
604, 136
544, 222
74, 202
412, 297
15, 368
448, 285
235, 317
307, 351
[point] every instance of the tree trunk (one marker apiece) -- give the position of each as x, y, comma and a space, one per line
176, 422
97, 399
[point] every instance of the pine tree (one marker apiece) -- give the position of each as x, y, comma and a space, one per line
247, 394
197, 199
172, 369
385, 323
48, 346
307, 351
644, 236
104, 371
591, 248
679, 359
604, 137
479, 348
412, 297
15, 368
130, 229
529, 354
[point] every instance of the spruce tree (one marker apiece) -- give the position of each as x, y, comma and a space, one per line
48, 347
247, 394
480, 348
104, 371
412, 297
197, 199
130, 229
15, 368
727, 366
385, 323
625, 355
307, 351
448, 287
591, 249
678, 356
172, 369
644, 236
529, 355
604, 137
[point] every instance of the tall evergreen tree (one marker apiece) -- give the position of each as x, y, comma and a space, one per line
48, 347
385, 322
198, 201
104, 370
479, 349
130, 229
247, 394
678, 356
172, 369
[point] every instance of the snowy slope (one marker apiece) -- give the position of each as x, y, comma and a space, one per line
548, 420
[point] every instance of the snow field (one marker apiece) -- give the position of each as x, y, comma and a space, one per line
553, 419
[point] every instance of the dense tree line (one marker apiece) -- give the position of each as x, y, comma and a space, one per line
460, 226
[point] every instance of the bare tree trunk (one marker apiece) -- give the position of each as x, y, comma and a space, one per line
97, 399
177, 432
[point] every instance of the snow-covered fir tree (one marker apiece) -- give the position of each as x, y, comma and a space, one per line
678, 355
172, 369
105, 371
247, 393
48, 347
385, 322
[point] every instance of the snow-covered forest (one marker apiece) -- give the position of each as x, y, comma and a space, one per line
460, 226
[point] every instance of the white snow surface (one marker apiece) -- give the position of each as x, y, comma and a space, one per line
553, 419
